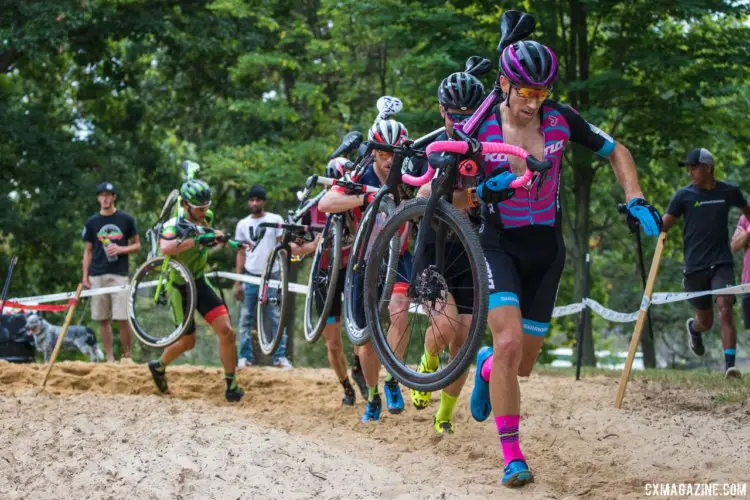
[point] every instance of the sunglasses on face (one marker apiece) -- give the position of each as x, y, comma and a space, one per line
200, 206
457, 117
529, 93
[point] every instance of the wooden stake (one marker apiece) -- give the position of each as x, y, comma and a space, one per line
63, 332
641, 320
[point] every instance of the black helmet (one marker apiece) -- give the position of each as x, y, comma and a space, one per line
461, 91
196, 192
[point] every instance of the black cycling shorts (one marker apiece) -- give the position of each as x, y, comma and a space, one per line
524, 267
712, 278
334, 315
208, 302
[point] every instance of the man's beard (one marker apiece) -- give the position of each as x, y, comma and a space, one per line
256, 210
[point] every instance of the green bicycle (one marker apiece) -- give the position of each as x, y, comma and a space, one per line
162, 297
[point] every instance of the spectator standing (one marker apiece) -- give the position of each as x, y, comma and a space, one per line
252, 261
705, 204
109, 236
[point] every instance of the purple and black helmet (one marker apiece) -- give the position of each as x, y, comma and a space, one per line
528, 63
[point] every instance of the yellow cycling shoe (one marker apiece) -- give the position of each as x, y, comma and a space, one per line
419, 399
445, 427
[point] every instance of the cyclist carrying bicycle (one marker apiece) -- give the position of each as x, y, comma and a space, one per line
193, 253
521, 230
337, 200
459, 95
332, 331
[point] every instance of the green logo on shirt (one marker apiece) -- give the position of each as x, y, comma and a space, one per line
710, 202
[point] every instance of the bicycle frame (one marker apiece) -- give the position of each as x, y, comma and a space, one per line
412, 150
190, 168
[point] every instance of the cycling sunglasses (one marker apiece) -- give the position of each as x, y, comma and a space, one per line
529, 93
200, 206
457, 117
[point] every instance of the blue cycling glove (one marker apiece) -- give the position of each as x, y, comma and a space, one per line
497, 187
646, 215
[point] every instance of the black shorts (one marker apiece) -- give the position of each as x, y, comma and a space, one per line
524, 267
334, 315
712, 278
208, 302
457, 275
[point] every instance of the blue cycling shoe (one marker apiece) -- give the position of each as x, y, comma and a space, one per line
481, 407
517, 474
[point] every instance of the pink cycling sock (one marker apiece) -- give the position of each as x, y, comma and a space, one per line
487, 369
507, 428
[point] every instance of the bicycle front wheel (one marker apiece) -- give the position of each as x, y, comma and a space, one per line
161, 301
273, 296
354, 314
324, 276
444, 311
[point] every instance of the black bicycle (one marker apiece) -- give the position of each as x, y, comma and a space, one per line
273, 295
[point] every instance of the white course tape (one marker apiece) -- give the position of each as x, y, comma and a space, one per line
609, 314
604, 312
667, 297
568, 310
41, 299
293, 287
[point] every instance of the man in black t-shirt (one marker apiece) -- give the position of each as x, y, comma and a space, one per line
708, 265
109, 236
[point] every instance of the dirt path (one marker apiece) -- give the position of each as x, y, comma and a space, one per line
101, 432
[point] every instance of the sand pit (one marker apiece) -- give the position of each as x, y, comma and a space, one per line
100, 431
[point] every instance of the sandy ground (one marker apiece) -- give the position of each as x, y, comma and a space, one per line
101, 431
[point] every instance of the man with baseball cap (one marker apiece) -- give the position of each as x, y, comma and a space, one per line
252, 261
708, 265
109, 236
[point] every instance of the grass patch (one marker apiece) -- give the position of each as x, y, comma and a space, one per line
723, 391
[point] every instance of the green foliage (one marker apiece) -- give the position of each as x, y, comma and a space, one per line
260, 92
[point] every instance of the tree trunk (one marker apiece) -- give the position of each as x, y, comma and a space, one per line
383, 67
583, 179
583, 172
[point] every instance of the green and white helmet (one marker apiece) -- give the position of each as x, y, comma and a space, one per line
196, 192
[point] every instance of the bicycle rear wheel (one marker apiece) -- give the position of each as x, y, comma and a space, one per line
273, 296
161, 301
401, 334
166, 211
324, 276
354, 315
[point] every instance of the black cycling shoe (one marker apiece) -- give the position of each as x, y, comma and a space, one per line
696, 339
159, 376
349, 397
235, 394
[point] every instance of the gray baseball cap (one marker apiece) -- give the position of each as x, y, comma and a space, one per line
699, 155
